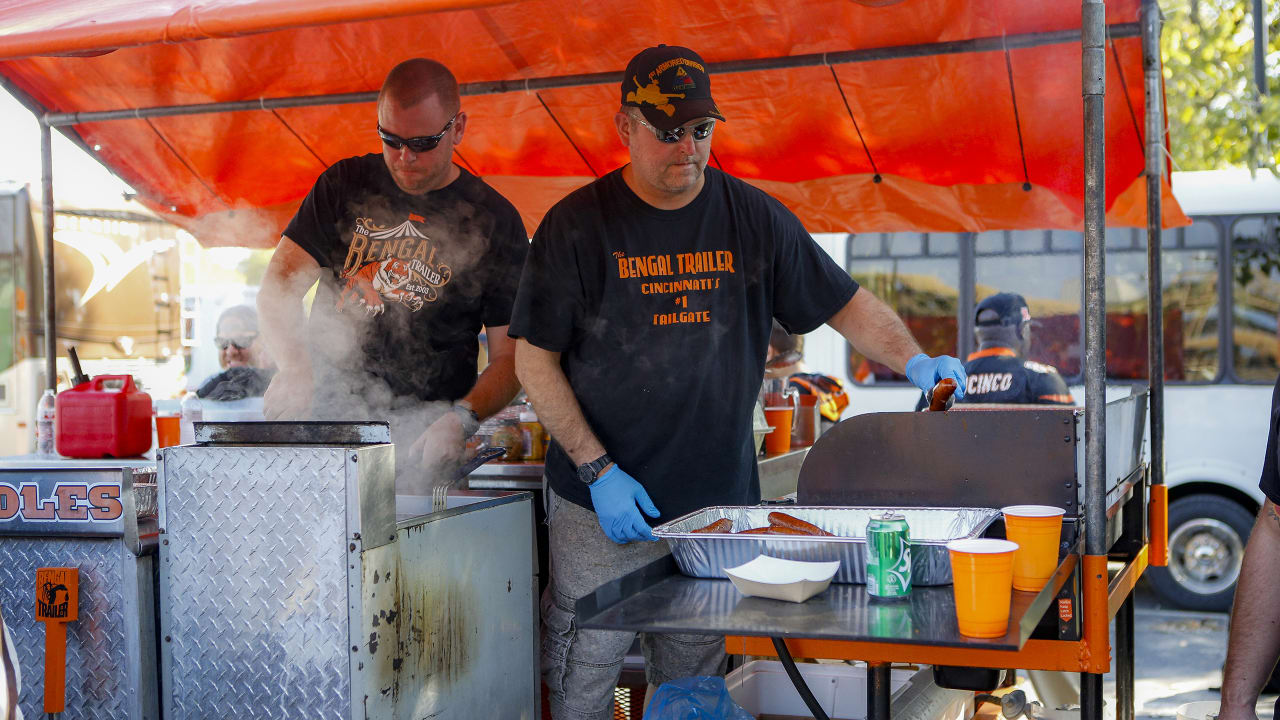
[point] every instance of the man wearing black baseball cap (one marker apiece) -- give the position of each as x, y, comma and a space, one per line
999, 371
643, 320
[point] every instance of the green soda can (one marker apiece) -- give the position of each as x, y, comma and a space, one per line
888, 556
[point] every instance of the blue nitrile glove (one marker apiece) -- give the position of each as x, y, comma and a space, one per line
615, 495
924, 372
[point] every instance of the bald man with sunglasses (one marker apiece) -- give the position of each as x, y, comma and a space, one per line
414, 256
643, 321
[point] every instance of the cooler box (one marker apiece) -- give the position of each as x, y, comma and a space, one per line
763, 689
105, 417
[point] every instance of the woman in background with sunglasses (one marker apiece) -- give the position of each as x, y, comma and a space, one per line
246, 366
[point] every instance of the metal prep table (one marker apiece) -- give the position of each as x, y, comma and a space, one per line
993, 458
294, 583
778, 475
99, 517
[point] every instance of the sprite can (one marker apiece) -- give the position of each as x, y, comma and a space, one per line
888, 556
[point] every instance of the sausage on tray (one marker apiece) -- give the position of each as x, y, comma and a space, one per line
772, 530
783, 520
723, 525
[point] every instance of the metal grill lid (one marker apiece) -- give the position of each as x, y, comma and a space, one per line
308, 432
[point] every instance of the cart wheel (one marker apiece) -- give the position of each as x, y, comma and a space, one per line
1207, 536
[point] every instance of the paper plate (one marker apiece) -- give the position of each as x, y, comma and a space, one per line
790, 580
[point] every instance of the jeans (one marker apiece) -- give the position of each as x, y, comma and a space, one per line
581, 667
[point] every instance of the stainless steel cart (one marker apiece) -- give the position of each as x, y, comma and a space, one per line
289, 588
100, 520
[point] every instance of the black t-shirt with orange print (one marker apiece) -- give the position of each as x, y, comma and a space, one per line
662, 319
410, 279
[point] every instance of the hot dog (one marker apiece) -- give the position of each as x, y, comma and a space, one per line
784, 520
772, 530
940, 397
723, 525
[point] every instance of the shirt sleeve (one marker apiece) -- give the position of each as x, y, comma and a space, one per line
315, 226
511, 245
551, 300
1270, 481
1048, 388
808, 286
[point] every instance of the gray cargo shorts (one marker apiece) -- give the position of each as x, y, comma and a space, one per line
581, 667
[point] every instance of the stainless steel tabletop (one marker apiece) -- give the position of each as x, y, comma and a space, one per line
657, 598
778, 475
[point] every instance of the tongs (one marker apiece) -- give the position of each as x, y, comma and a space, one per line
440, 492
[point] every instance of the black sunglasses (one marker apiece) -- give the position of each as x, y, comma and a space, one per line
242, 343
701, 131
425, 143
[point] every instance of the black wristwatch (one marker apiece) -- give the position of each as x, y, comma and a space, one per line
588, 473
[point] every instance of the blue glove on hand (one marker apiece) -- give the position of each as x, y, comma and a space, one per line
924, 372
615, 495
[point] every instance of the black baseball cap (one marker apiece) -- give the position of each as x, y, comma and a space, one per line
1002, 309
670, 85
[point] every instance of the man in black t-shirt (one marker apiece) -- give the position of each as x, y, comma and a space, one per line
999, 371
414, 256
643, 319
1253, 643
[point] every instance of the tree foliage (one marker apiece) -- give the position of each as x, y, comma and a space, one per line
1214, 118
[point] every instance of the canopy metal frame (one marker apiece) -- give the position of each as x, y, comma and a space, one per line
1093, 35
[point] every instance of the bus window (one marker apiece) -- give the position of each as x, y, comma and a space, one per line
1050, 282
1190, 280
924, 293
1255, 243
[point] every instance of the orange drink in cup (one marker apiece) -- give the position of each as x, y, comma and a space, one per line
1037, 529
779, 439
167, 430
982, 573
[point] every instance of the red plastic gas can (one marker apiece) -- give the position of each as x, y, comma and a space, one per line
105, 417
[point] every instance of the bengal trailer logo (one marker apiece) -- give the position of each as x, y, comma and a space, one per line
69, 502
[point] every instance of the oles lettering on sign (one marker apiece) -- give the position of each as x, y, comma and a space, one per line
69, 502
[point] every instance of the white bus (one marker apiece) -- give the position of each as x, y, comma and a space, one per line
1220, 366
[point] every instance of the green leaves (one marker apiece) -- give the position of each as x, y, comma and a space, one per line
1215, 119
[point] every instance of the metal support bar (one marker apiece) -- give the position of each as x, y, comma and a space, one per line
878, 691
50, 307
1091, 696
1154, 107
497, 87
1260, 72
1124, 660
1093, 69
965, 308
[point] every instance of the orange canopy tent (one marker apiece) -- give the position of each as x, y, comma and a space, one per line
860, 115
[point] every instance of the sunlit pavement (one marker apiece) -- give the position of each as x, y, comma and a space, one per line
1179, 657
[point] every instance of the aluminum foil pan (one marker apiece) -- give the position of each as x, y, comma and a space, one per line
708, 554
144, 500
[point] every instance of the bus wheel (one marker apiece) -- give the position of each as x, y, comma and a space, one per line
1207, 536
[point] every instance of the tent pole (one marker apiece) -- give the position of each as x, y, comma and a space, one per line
50, 307
1151, 29
983, 44
1093, 87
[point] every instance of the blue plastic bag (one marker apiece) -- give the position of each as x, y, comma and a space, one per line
695, 698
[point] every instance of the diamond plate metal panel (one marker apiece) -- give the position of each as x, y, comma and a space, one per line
104, 673
254, 583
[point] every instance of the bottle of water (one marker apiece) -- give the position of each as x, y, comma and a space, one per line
45, 417
192, 413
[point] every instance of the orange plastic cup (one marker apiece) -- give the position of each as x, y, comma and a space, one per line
982, 574
167, 430
779, 439
1037, 529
